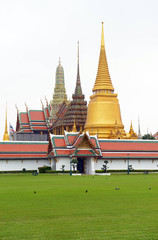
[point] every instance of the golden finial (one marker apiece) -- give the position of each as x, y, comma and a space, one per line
6, 135
102, 36
74, 127
131, 131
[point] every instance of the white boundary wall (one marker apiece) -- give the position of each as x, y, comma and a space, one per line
18, 165
90, 164
117, 164
62, 161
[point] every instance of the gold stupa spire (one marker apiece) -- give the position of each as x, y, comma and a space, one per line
103, 115
131, 131
6, 135
132, 134
74, 127
103, 80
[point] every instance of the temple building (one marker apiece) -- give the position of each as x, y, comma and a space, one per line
38, 141
33, 125
72, 116
89, 151
104, 116
59, 92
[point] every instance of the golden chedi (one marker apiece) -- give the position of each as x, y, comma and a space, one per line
104, 116
132, 134
6, 135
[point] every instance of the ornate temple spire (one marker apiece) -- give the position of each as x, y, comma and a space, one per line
78, 89
6, 135
59, 94
131, 131
103, 80
74, 116
139, 133
132, 134
74, 127
104, 115
59, 61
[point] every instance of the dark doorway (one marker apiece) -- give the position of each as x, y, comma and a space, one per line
80, 165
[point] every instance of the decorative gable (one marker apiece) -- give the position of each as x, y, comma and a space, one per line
73, 144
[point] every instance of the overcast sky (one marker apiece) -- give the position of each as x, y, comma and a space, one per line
35, 33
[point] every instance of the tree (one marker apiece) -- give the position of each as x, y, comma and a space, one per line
63, 168
105, 167
148, 136
74, 164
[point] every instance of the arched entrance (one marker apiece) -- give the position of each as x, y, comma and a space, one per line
85, 165
81, 165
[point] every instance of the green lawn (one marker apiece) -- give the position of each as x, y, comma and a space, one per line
60, 208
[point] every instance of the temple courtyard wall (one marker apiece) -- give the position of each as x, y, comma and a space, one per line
90, 165
19, 165
122, 164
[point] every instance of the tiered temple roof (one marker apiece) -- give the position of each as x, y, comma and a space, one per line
77, 145
23, 150
33, 121
73, 145
75, 111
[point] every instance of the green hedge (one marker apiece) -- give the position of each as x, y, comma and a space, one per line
99, 171
44, 169
66, 171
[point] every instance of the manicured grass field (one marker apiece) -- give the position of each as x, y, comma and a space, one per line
61, 209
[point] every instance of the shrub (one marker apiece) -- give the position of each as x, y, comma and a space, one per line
44, 169
99, 171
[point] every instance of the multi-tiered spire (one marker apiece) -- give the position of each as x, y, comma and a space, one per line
59, 91
78, 89
104, 117
103, 80
77, 109
6, 135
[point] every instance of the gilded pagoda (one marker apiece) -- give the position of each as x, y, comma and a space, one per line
104, 116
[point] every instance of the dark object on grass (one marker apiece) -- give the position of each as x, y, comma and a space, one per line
35, 173
117, 188
149, 187
86, 191
34, 191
